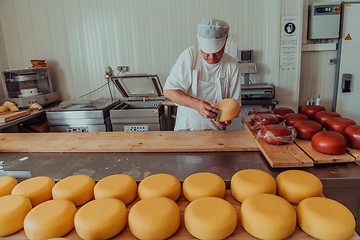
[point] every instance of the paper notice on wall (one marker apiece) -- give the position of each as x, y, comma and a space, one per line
231, 46
288, 56
289, 28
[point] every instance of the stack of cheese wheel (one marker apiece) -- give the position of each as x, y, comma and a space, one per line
307, 129
37, 189
291, 118
338, 124
164, 185
230, 109
78, 189
329, 142
120, 186
322, 116
203, 184
311, 110
248, 182
101, 218
282, 111
277, 134
7, 184
262, 119
352, 134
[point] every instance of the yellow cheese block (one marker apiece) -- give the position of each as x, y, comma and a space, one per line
101, 219
268, 216
38, 189
230, 109
324, 218
154, 218
249, 182
164, 185
51, 219
7, 184
78, 189
203, 184
13, 210
210, 218
120, 186
296, 185
3, 108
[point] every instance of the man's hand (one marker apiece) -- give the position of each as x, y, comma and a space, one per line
205, 109
222, 124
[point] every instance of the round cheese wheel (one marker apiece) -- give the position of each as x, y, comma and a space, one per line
311, 110
164, 185
292, 118
248, 182
277, 134
154, 218
37, 189
100, 219
322, 116
262, 119
13, 210
259, 111
7, 184
338, 124
324, 218
50, 219
306, 129
267, 216
282, 111
78, 189
120, 186
329, 142
210, 218
296, 185
352, 134
203, 184
230, 109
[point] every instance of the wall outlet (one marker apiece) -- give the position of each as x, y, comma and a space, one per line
332, 61
123, 68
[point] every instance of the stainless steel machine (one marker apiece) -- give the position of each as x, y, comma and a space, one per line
27, 86
143, 109
81, 116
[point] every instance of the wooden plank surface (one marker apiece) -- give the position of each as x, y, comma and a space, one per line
153, 141
182, 233
354, 152
8, 116
320, 158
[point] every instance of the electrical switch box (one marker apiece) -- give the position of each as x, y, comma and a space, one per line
324, 21
346, 82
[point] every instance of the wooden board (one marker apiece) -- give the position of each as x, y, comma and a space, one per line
182, 233
153, 141
8, 116
320, 158
354, 152
279, 156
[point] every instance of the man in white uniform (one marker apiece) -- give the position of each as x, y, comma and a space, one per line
203, 76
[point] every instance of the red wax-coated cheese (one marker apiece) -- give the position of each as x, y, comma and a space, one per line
292, 118
259, 111
311, 110
329, 142
260, 120
338, 124
322, 116
306, 129
352, 134
276, 134
282, 111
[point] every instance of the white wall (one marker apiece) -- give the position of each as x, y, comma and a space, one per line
80, 38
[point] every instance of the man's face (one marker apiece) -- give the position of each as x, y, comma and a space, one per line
213, 58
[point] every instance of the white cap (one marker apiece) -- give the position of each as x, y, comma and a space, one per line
212, 34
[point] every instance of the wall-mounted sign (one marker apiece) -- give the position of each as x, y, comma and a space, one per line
289, 28
288, 56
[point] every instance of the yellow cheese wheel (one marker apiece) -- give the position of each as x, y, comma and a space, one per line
50, 219
7, 184
164, 185
38, 189
246, 183
154, 218
324, 218
203, 184
13, 210
3, 108
79, 189
296, 185
230, 109
268, 216
101, 219
210, 218
120, 186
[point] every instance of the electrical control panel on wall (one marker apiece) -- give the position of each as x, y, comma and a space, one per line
324, 21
